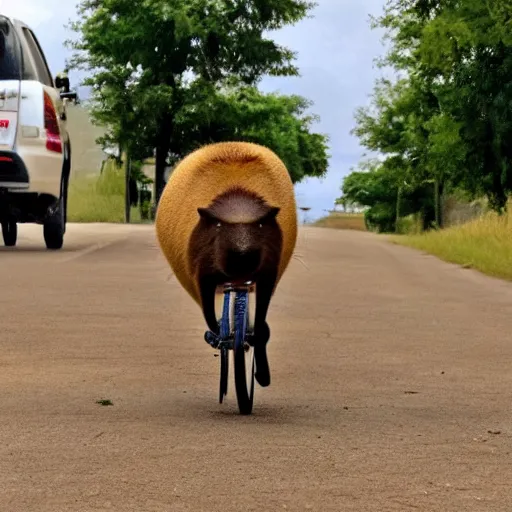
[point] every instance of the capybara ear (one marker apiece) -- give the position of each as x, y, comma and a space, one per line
274, 210
206, 214
271, 214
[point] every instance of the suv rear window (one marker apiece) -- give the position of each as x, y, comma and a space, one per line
10, 55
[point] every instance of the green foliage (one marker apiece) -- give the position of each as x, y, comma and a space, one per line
447, 119
380, 188
376, 189
381, 218
244, 113
171, 76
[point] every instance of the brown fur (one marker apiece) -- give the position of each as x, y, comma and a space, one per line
238, 204
202, 178
238, 223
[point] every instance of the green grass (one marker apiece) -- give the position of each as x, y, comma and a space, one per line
99, 198
484, 244
340, 220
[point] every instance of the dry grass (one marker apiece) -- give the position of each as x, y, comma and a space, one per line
341, 220
484, 244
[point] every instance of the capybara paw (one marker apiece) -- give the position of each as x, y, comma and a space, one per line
262, 374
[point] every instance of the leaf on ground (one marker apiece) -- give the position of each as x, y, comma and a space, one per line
104, 402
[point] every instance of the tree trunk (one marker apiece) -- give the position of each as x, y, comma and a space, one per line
127, 202
160, 165
397, 214
162, 153
440, 193
436, 204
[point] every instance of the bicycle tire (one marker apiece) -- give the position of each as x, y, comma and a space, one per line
224, 351
243, 359
224, 373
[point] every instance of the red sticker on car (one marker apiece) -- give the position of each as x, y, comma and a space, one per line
4, 124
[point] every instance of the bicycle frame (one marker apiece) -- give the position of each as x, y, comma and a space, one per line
241, 291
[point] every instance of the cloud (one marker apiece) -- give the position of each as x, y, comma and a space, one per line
31, 12
47, 18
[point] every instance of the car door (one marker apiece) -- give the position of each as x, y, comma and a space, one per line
10, 84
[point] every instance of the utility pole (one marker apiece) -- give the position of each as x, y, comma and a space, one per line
305, 209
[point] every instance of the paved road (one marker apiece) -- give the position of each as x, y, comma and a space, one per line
392, 384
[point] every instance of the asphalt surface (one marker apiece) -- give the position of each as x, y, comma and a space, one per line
391, 390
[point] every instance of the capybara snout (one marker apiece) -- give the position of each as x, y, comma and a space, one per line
242, 264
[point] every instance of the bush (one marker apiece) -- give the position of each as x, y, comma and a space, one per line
410, 225
381, 218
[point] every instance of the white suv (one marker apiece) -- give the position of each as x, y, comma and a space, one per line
35, 150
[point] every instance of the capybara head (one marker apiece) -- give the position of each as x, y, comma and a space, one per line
237, 236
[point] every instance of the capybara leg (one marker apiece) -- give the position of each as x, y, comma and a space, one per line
262, 374
261, 329
208, 287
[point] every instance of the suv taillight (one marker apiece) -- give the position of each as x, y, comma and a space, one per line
53, 142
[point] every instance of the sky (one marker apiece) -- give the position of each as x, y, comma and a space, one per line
335, 55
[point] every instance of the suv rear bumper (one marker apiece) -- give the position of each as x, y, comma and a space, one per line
19, 206
34, 169
13, 172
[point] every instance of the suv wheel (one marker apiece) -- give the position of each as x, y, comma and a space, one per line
10, 233
55, 225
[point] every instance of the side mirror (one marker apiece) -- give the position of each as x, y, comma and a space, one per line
62, 83
68, 95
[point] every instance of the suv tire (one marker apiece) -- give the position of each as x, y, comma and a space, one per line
55, 225
53, 229
10, 233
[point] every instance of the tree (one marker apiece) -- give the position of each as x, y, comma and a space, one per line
397, 125
177, 51
463, 52
445, 123
379, 186
244, 113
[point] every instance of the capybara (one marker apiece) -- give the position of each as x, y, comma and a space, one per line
228, 215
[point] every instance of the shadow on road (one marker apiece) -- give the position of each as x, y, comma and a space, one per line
33, 249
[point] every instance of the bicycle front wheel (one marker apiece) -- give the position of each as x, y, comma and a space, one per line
224, 350
224, 372
243, 356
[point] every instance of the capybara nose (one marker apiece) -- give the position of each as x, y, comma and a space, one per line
241, 263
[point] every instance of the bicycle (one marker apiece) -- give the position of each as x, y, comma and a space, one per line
235, 336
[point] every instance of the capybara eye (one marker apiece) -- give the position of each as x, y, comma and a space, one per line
219, 224
261, 225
